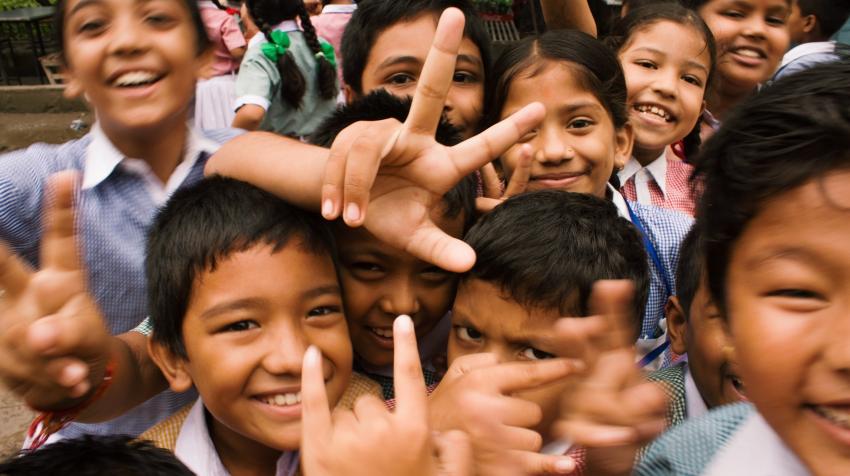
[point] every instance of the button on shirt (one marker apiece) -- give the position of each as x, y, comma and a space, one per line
117, 202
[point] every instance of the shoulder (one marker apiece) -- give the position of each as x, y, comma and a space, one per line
686, 449
672, 380
164, 434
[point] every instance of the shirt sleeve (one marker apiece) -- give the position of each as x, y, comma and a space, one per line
256, 82
231, 35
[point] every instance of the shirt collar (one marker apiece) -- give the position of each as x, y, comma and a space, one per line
285, 26
814, 47
694, 403
756, 450
339, 8
657, 169
619, 202
196, 450
102, 157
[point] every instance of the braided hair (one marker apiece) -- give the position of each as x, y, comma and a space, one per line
219, 5
293, 85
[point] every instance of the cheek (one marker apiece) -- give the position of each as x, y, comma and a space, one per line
358, 298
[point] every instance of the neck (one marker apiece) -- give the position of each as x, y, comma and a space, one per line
646, 156
239, 455
162, 147
722, 99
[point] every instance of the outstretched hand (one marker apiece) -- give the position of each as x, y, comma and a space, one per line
51, 332
389, 176
370, 439
518, 183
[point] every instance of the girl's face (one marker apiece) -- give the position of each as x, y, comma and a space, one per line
666, 66
576, 147
788, 294
751, 36
136, 61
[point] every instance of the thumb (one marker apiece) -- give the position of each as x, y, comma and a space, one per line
454, 454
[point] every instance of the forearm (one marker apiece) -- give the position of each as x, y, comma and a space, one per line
573, 14
285, 167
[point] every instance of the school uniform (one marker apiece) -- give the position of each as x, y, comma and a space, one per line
117, 201
685, 400
187, 434
214, 97
663, 183
805, 56
330, 25
258, 84
663, 231
730, 440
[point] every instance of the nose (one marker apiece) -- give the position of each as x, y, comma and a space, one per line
837, 352
283, 349
754, 27
400, 298
553, 148
128, 36
665, 83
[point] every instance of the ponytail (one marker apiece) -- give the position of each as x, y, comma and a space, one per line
326, 69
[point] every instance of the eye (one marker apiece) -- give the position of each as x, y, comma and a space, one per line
531, 353
795, 294
399, 79
464, 77
646, 64
434, 273
776, 20
91, 26
528, 136
159, 19
240, 326
692, 79
324, 311
468, 334
580, 123
737, 14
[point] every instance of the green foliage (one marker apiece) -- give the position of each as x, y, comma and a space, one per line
12, 4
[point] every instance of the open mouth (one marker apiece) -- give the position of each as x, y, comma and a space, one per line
749, 55
654, 110
837, 415
135, 79
281, 399
385, 333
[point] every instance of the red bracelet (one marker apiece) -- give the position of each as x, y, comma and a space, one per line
50, 422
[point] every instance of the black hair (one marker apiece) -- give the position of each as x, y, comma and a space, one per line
831, 14
641, 18
794, 131
372, 17
596, 67
194, 12
634, 4
218, 4
546, 249
697, 4
691, 270
91, 455
380, 104
205, 223
268, 13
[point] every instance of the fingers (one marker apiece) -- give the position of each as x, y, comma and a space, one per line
369, 410
364, 158
476, 151
437, 73
491, 181
431, 244
484, 205
516, 376
613, 299
59, 244
522, 174
531, 463
411, 398
454, 453
14, 274
316, 414
77, 329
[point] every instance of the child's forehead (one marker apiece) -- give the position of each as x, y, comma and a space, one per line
411, 39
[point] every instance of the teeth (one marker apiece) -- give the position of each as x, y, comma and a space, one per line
135, 78
386, 333
839, 417
748, 53
283, 399
654, 110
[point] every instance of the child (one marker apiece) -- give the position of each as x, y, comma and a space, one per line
629, 6
287, 80
811, 24
330, 24
751, 37
238, 340
385, 45
520, 287
214, 95
584, 138
381, 282
667, 53
774, 234
709, 378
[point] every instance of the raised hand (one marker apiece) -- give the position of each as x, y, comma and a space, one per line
370, 439
51, 332
518, 183
389, 176
611, 410
477, 396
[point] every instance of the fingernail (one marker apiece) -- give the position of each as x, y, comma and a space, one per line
72, 374
565, 466
327, 208
352, 212
403, 323
312, 356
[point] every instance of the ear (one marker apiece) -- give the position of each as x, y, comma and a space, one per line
349, 94
677, 324
624, 140
171, 365
73, 86
809, 23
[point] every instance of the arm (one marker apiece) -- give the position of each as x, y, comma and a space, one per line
573, 14
249, 117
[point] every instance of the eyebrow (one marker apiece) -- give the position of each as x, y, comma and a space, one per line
85, 3
255, 303
690, 63
788, 254
571, 108
415, 61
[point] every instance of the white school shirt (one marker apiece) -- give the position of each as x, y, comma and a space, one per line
694, 404
656, 171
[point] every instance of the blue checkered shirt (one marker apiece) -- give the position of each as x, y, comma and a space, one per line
113, 217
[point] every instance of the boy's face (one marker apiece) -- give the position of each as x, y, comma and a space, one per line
396, 59
788, 294
798, 25
247, 326
484, 321
704, 336
381, 282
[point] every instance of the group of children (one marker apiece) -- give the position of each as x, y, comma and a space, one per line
555, 320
